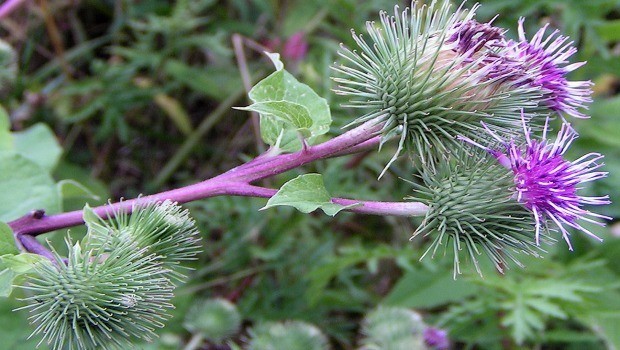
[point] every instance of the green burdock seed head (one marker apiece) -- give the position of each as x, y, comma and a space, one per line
472, 206
100, 298
431, 74
393, 328
164, 228
292, 335
215, 319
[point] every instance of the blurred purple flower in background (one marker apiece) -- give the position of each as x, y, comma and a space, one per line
295, 47
436, 338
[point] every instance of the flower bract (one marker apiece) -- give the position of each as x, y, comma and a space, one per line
472, 210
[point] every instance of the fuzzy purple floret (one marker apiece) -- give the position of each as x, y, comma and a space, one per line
543, 62
547, 184
539, 63
436, 338
471, 36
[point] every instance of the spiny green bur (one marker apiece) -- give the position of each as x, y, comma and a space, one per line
292, 335
471, 205
115, 286
392, 328
215, 319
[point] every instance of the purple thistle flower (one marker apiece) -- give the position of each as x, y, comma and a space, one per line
296, 47
436, 338
547, 184
471, 36
487, 46
543, 63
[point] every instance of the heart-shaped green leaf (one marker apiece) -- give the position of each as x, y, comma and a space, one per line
288, 108
25, 186
7, 241
306, 193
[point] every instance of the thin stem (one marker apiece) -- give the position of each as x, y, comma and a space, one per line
360, 206
242, 63
195, 342
364, 146
235, 182
32, 245
340, 145
34, 225
8, 7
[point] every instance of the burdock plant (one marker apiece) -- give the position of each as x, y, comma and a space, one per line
472, 109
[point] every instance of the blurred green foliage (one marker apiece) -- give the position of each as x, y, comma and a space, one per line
131, 82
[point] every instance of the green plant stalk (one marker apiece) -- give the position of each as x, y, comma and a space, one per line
237, 182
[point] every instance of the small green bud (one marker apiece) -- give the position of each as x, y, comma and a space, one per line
292, 335
215, 319
393, 328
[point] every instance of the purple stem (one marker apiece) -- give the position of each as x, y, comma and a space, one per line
31, 245
8, 7
363, 207
236, 182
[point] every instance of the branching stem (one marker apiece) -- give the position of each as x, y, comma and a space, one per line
238, 182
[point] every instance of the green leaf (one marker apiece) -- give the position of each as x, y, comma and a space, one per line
38, 143
73, 189
427, 289
94, 223
609, 30
14, 326
6, 282
21, 263
323, 272
306, 193
212, 81
174, 109
523, 321
604, 316
607, 127
5, 122
6, 138
25, 186
7, 240
78, 187
291, 113
546, 307
287, 107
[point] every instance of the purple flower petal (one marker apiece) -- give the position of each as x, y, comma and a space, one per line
544, 64
436, 338
296, 47
547, 184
